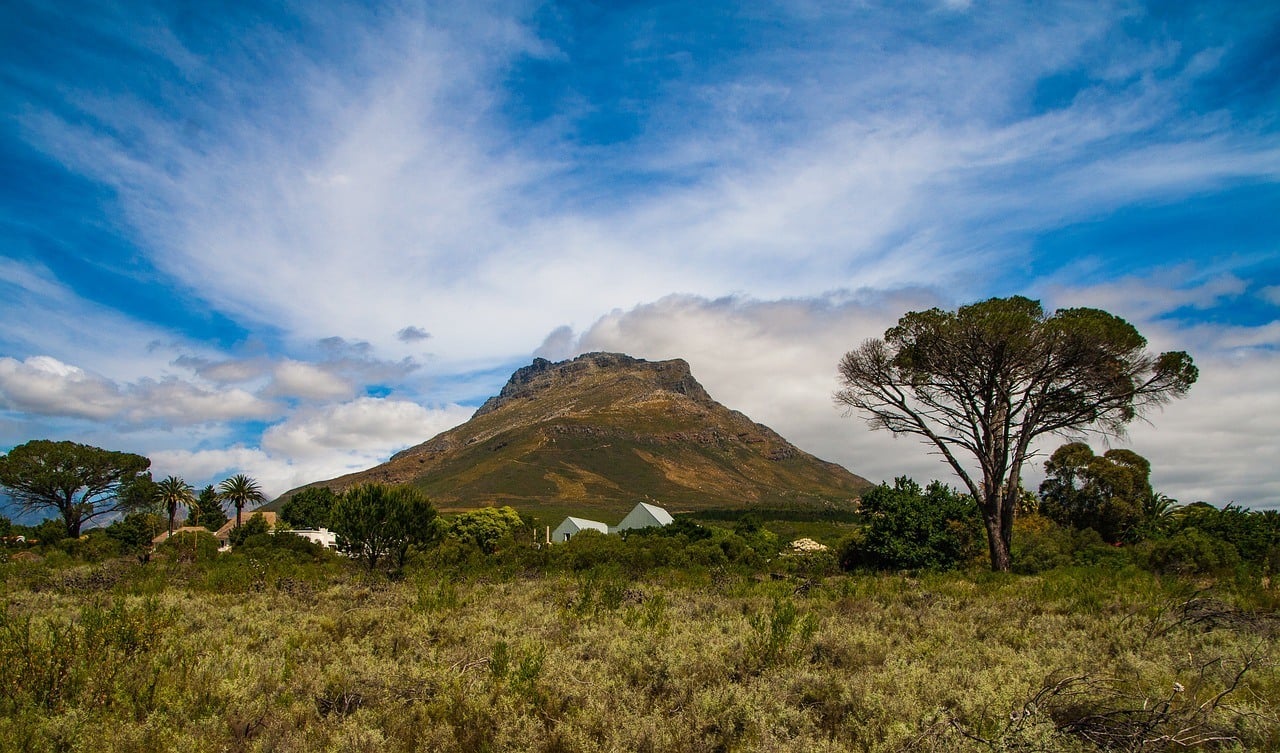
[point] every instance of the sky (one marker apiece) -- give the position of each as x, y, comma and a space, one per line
291, 239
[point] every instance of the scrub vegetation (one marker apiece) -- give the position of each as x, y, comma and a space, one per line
686, 639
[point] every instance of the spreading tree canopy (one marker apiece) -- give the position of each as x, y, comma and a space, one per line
78, 482
985, 381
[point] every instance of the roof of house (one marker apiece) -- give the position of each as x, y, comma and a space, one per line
225, 530
583, 524
659, 514
644, 515
164, 535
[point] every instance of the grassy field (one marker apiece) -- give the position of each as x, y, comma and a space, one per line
274, 654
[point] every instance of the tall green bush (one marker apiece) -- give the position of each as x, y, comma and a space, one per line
935, 528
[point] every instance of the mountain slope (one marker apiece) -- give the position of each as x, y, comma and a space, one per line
600, 432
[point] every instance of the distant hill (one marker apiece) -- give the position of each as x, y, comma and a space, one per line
598, 433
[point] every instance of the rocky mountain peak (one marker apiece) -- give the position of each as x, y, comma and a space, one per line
530, 381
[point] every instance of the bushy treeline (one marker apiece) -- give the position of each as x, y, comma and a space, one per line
1090, 510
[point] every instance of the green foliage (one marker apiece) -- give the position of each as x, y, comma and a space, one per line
910, 528
174, 493
207, 510
780, 636
373, 521
189, 546
135, 533
1254, 534
240, 491
486, 527
1192, 551
1110, 493
78, 482
49, 531
256, 525
989, 378
94, 546
309, 508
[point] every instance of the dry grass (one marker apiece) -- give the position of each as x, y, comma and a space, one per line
270, 656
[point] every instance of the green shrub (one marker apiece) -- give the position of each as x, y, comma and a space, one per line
256, 525
94, 546
1191, 551
910, 528
189, 546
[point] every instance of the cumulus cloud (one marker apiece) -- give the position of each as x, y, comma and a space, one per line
368, 425
776, 361
306, 380
321, 443
231, 371
47, 386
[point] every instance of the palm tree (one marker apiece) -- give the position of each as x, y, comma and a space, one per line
240, 490
173, 492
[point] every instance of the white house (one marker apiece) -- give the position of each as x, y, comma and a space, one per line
572, 526
323, 536
643, 515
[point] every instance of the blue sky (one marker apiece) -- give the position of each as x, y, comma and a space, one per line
291, 239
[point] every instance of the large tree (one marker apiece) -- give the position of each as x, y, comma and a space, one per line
78, 482
240, 490
1109, 493
985, 381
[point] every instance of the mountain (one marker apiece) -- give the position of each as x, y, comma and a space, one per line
598, 433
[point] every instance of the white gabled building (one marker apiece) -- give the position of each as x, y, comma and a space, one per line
643, 515
572, 526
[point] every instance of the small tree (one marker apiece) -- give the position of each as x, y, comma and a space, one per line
374, 520
987, 380
486, 527
240, 490
256, 525
135, 533
207, 510
174, 493
309, 508
78, 482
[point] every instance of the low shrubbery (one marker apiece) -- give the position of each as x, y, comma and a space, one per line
573, 650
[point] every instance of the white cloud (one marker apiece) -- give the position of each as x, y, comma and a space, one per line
47, 386
367, 425
1271, 294
320, 443
307, 380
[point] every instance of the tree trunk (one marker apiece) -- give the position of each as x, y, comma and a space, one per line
997, 537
